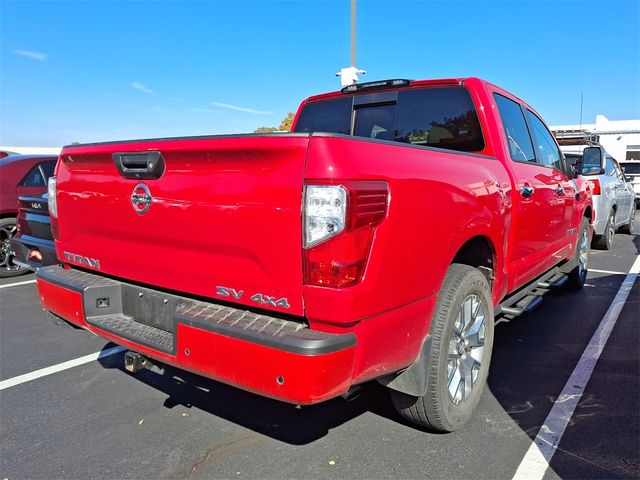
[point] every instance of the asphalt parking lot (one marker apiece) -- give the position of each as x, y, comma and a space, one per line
96, 420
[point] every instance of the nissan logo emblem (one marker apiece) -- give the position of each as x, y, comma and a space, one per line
141, 198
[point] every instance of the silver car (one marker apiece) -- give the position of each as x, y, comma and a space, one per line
613, 196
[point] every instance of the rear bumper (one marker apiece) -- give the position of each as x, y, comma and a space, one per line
21, 246
275, 357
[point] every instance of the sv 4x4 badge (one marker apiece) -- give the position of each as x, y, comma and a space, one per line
259, 298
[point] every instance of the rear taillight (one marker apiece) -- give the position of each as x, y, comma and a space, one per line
339, 221
595, 186
52, 203
51, 192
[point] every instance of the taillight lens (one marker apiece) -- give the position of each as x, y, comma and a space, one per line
338, 228
52, 203
595, 186
324, 212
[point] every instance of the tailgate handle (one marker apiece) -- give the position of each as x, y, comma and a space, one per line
140, 165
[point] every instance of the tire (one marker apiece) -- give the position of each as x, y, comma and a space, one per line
578, 275
628, 228
605, 241
7, 267
439, 409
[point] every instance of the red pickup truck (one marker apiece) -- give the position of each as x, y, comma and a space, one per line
379, 240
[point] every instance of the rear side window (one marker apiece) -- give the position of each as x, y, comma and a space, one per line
515, 129
47, 169
548, 152
34, 178
442, 117
331, 116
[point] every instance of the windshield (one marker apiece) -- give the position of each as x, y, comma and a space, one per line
442, 117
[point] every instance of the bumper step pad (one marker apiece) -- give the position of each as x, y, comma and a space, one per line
127, 327
150, 317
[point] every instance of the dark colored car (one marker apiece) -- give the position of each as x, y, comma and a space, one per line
29, 174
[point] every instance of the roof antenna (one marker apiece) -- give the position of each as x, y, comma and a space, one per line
349, 76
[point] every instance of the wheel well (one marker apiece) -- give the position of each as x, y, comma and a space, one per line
478, 252
8, 215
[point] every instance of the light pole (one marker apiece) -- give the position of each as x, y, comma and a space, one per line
349, 75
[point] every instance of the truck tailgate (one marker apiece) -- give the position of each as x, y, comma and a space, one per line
223, 220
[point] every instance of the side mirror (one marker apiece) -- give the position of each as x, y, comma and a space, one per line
592, 162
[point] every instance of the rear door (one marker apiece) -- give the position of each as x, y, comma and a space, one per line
33, 213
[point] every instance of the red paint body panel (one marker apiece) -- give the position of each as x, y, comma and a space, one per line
65, 303
227, 212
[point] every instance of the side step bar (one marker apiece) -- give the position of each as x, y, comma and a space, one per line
530, 296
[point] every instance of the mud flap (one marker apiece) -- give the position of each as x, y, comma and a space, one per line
412, 380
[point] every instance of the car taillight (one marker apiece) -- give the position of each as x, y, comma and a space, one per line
339, 221
52, 203
595, 187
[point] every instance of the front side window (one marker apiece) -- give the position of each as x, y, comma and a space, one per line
547, 150
515, 129
609, 167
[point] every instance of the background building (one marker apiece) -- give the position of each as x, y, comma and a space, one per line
30, 150
621, 138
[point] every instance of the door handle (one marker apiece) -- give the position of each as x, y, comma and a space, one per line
560, 190
527, 191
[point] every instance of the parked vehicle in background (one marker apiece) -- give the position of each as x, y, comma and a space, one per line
631, 169
14, 170
33, 242
613, 196
379, 240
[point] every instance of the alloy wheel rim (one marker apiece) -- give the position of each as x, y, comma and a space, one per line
583, 253
6, 252
610, 228
466, 349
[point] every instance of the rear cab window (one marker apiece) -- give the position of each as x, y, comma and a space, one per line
441, 117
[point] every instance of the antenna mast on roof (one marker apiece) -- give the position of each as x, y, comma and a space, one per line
349, 76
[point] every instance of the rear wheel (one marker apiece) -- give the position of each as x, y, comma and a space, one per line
7, 267
605, 241
628, 228
578, 275
458, 363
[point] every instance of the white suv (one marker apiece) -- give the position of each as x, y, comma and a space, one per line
613, 196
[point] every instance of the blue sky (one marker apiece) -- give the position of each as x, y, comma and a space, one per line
105, 70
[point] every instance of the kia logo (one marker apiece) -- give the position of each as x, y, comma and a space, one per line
141, 198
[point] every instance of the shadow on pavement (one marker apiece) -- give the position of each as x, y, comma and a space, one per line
278, 420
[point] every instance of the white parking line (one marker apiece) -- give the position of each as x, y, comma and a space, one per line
607, 271
536, 461
17, 283
43, 372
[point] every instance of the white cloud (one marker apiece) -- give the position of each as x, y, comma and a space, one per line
203, 110
142, 88
241, 109
33, 55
